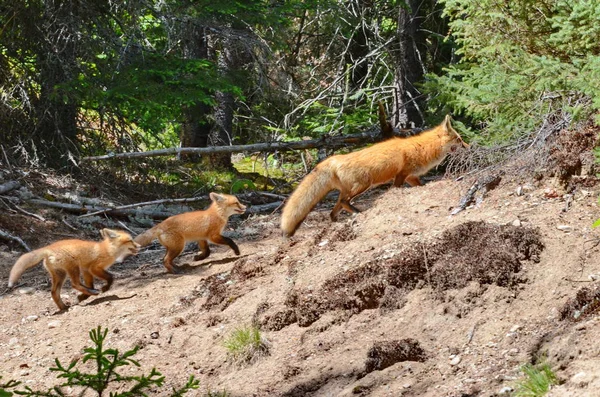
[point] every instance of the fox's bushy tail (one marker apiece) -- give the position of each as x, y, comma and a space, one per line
309, 192
26, 261
146, 238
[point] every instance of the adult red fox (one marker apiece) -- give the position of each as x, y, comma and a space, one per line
200, 226
77, 258
398, 159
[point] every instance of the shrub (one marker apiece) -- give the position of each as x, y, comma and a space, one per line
521, 61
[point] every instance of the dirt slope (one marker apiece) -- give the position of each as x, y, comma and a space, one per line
400, 300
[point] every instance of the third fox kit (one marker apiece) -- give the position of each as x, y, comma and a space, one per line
400, 159
200, 226
77, 258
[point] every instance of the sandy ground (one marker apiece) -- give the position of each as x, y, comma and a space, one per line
325, 300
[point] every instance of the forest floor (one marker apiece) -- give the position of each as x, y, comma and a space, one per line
400, 300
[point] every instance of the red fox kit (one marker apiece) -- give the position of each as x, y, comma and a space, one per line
77, 258
398, 159
200, 226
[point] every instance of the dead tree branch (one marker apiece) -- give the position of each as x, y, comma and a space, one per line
8, 186
84, 209
327, 141
7, 236
483, 185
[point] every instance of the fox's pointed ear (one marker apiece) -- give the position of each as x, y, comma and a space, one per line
447, 122
215, 197
107, 233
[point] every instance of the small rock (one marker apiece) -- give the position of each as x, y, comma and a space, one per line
515, 328
13, 341
516, 222
31, 318
323, 243
26, 290
565, 228
519, 191
506, 390
455, 361
551, 193
582, 379
154, 335
54, 324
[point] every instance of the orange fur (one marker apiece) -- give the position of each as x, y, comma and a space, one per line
77, 258
398, 159
200, 226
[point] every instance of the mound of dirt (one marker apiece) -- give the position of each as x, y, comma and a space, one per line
586, 303
473, 251
387, 353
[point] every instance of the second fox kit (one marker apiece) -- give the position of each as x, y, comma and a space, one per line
76, 258
200, 226
398, 159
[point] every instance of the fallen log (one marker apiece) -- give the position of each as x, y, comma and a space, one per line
7, 236
331, 142
84, 209
187, 200
8, 186
132, 210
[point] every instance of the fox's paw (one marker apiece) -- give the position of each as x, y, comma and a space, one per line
174, 270
199, 257
82, 297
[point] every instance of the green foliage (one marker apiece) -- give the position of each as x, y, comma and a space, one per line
319, 120
246, 344
240, 185
520, 60
537, 380
4, 387
106, 375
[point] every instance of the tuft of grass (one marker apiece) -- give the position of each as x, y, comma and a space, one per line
537, 380
246, 344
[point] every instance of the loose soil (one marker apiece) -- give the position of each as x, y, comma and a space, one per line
400, 300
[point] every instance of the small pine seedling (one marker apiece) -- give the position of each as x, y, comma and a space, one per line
106, 376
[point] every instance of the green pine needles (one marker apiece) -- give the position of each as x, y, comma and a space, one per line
519, 62
106, 379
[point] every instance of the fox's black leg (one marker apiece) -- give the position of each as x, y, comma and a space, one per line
226, 241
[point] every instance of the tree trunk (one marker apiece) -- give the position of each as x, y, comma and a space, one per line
56, 111
233, 58
409, 70
221, 133
196, 127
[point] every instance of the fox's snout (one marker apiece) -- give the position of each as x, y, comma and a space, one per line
135, 249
